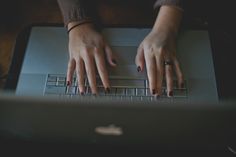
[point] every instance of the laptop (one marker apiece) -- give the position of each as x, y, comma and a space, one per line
43, 110
44, 66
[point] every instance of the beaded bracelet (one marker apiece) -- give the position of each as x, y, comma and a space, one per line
78, 24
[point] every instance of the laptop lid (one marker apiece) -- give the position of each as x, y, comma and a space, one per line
125, 123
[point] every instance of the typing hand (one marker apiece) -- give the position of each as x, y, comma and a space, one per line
88, 51
158, 51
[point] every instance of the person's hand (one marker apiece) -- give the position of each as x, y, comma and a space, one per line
158, 52
88, 51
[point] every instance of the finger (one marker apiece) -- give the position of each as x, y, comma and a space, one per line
70, 71
179, 74
80, 75
159, 74
169, 79
109, 55
151, 72
100, 63
139, 59
91, 73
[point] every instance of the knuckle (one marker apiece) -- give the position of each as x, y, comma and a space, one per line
156, 50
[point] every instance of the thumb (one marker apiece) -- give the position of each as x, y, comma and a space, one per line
110, 57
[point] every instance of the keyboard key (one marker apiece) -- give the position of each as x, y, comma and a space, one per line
61, 79
101, 90
51, 83
164, 91
146, 83
120, 91
61, 83
52, 79
147, 92
112, 92
74, 81
130, 91
99, 82
71, 90
140, 91
132, 83
86, 83
88, 90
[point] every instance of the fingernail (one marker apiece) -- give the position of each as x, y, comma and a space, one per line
138, 68
114, 61
107, 90
171, 94
153, 92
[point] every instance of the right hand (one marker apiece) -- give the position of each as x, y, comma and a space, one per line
88, 50
159, 48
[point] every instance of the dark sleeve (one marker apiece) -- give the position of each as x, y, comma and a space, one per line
176, 3
74, 10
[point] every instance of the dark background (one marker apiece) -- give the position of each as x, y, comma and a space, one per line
217, 15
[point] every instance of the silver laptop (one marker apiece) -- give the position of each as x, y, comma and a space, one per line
45, 64
77, 121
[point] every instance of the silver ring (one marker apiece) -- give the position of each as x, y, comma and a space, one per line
168, 63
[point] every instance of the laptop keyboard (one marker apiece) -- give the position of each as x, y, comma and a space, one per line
121, 88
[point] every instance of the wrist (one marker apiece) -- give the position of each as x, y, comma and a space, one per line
76, 24
168, 20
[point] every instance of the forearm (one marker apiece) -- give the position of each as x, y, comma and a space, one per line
176, 3
168, 19
74, 11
